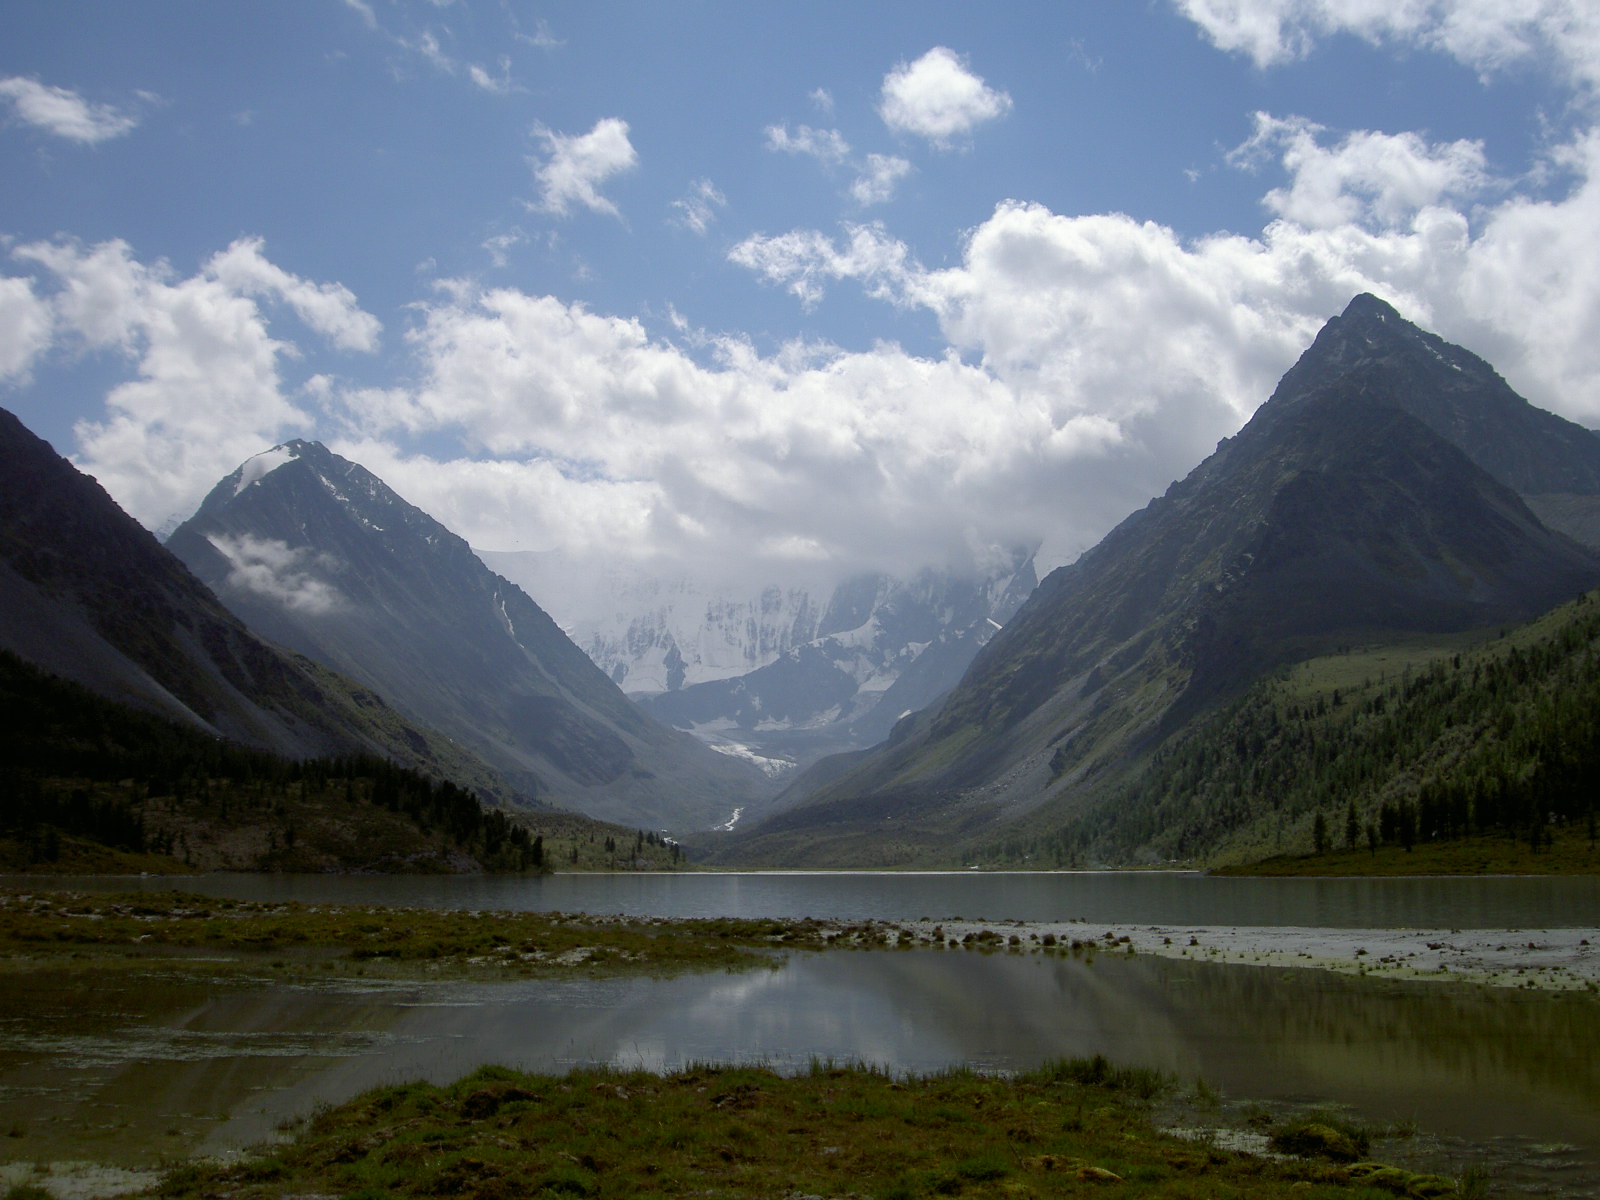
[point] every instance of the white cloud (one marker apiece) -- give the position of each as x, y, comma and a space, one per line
939, 99
25, 327
284, 574
803, 260
577, 165
879, 177
607, 438
1133, 350
825, 145
207, 391
1487, 35
1366, 177
697, 210
822, 100
499, 85
64, 113
328, 308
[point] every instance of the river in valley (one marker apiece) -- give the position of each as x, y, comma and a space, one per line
171, 1061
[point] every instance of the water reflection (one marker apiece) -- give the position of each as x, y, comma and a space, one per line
124, 1071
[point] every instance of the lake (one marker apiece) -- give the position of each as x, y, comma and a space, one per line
167, 1062
1128, 897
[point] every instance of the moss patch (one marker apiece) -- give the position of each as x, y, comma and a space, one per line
1068, 1128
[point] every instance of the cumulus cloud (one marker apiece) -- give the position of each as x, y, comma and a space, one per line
207, 391
1091, 360
64, 113
1365, 177
697, 210
288, 576
1487, 35
328, 308
1135, 349
577, 165
628, 439
879, 177
25, 327
939, 99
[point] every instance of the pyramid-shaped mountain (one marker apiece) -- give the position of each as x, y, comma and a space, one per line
1352, 508
88, 594
317, 553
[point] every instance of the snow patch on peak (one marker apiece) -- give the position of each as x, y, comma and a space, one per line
256, 469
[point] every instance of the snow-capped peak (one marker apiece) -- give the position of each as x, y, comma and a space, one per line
261, 465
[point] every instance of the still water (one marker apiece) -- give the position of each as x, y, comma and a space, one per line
1110, 896
138, 1066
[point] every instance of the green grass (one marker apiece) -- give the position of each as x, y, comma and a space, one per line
1569, 853
1067, 1129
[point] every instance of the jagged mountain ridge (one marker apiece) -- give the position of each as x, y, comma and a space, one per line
319, 554
788, 673
885, 648
89, 595
1336, 514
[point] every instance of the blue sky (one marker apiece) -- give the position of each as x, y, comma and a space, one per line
767, 291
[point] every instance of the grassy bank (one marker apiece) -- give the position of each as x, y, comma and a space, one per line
1568, 851
136, 927
1075, 1127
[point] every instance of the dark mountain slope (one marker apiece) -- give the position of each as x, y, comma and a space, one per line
1457, 395
320, 555
91, 596
1336, 514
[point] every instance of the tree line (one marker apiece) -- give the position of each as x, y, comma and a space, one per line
73, 763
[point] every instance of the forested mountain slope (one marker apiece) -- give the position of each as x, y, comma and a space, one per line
1380, 746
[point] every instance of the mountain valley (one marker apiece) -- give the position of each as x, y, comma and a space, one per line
784, 675
1393, 506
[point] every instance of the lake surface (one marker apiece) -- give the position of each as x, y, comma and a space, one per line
1501, 902
165, 1061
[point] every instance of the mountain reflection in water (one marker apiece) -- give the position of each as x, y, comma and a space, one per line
1468, 1063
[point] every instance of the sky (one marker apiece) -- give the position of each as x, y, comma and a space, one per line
767, 292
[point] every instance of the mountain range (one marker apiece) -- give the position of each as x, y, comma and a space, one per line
319, 555
1393, 489
783, 675
1386, 489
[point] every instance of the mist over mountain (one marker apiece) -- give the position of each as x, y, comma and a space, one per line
320, 555
1352, 508
786, 674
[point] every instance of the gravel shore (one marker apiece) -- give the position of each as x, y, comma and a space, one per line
1565, 959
